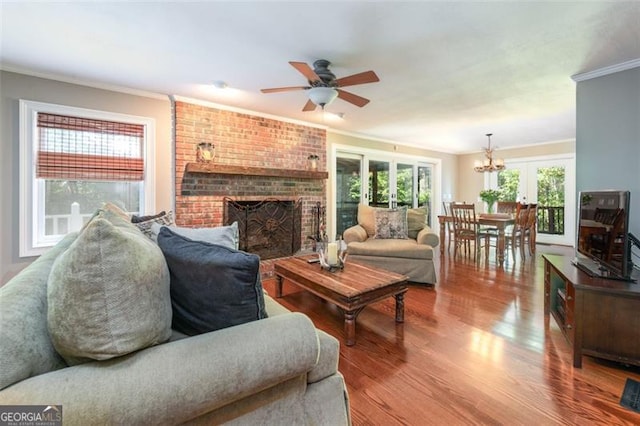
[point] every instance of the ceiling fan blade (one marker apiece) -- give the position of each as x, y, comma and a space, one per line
361, 78
284, 89
354, 99
306, 70
309, 106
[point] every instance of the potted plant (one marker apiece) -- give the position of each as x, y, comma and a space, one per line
490, 196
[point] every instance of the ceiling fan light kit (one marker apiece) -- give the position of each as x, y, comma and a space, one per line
489, 164
324, 87
322, 96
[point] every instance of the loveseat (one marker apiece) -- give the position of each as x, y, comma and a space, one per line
275, 370
398, 240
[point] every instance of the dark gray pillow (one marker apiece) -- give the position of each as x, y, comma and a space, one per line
140, 219
212, 286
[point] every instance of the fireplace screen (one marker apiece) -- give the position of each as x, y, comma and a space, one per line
270, 228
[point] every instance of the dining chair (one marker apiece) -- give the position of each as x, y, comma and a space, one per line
466, 230
507, 207
512, 232
529, 235
447, 212
515, 236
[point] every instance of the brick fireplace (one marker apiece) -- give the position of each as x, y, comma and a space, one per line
256, 158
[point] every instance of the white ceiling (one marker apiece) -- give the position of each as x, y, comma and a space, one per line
449, 71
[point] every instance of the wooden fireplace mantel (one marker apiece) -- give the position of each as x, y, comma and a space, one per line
222, 169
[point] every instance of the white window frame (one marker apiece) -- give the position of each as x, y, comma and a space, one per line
31, 191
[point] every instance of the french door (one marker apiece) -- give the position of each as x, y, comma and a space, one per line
550, 183
389, 183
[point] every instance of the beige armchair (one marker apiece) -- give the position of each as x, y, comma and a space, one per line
411, 256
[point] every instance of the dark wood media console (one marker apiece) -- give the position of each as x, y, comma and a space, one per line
599, 317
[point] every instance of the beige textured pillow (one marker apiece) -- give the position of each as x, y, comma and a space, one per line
416, 220
391, 223
108, 294
366, 219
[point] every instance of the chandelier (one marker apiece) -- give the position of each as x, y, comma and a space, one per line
489, 164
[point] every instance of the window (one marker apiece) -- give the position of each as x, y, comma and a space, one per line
72, 161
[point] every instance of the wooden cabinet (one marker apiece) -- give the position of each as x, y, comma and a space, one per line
598, 317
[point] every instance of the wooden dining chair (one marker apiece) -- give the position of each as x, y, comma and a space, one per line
447, 212
509, 207
512, 232
515, 237
529, 235
466, 230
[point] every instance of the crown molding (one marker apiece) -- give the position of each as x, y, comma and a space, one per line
392, 142
634, 63
81, 82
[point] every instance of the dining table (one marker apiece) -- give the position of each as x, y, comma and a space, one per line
500, 221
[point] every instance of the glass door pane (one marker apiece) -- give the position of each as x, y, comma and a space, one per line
547, 183
509, 184
550, 196
348, 192
425, 189
379, 183
404, 185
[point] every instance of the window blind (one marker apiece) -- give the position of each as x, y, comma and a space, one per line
76, 148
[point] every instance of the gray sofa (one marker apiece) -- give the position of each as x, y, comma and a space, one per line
277, 370
411, 256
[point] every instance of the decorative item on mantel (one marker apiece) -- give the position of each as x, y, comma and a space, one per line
313, 162
205, 152
490, 196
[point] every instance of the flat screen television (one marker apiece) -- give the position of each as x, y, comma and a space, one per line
602, 237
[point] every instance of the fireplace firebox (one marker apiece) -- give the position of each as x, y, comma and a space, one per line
270, 228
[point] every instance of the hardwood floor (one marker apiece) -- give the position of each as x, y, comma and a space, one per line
475, 349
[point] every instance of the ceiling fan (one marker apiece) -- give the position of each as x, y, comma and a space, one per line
324, 87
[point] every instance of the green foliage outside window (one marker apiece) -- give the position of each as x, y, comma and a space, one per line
508, 181
550, 185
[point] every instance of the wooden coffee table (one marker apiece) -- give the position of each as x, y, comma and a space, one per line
351, 289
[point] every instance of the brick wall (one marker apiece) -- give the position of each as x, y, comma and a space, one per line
243, 140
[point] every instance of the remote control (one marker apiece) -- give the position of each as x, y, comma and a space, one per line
316, 260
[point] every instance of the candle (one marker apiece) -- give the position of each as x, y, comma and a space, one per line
332, 253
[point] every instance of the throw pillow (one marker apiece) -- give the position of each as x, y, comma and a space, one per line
416, 221
212, 286
366, 218
161, 219
108, 294
222, 235
26, 349
139, 219
391, 224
